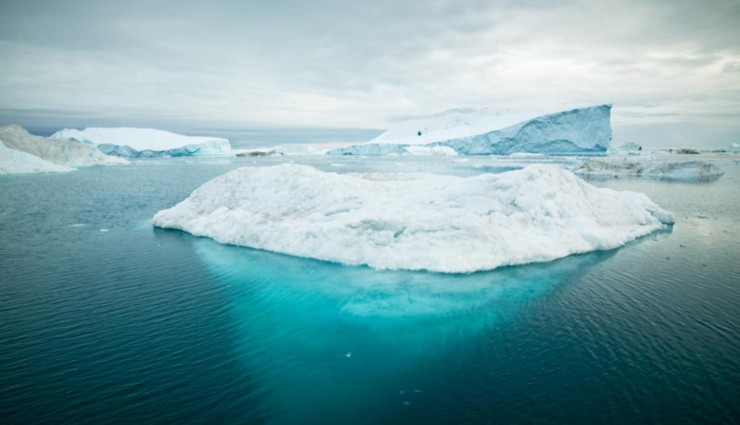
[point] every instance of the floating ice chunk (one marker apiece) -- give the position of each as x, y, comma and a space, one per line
414, 221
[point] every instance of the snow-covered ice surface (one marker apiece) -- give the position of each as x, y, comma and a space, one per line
480, 132
13, 161
415, 221
146, 142
451, 124
60, 152
660, 168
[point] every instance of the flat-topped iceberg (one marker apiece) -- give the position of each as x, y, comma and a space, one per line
146, 142
59, 152
414, 221
13, 161
482, 132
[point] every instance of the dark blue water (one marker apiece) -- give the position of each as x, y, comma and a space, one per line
104, 319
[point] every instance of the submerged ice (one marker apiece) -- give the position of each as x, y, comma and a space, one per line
383, 327
414, 221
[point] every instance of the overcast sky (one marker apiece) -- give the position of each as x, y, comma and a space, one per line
671, 68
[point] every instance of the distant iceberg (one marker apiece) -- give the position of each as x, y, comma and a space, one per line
59, 152
651, 168
626, 149
415, 221
482, 132
146, 143
734, 147
13, 161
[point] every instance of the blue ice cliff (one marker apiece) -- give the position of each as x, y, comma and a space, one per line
482, 132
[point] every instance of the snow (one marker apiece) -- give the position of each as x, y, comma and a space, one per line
13, 161
650, 167
146, 142
60, 152
479, 132
414, 221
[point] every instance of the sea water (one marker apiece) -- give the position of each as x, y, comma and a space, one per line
105, 319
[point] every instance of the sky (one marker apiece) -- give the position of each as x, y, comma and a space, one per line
346, 69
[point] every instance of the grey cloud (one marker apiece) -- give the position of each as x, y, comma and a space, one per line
231, 64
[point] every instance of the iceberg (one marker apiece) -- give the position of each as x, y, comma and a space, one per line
414, 221
626, 149
146, 143
734, 147
482, 132
60, 152
13, 161
651, 168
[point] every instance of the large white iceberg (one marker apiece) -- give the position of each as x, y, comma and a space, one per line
414, 221
60, 152
734, 147
146, 142
13, 161
482, 132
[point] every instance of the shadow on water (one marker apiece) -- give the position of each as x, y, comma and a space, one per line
328, 343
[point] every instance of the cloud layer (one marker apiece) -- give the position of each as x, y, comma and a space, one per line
235, 64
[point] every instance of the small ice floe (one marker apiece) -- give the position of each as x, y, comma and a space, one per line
406, 403
348, 355
77, 225
104, 230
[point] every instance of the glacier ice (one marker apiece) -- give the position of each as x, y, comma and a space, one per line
480, 132
60, 152
146, 143
414, 221
13, 161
